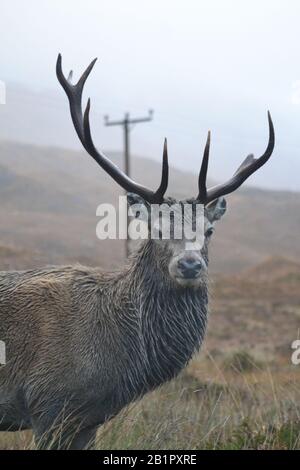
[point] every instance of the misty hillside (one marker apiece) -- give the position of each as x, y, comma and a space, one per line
35, 116
49, 198
260, 303
38, 115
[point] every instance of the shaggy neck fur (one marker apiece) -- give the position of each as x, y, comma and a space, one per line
164, 323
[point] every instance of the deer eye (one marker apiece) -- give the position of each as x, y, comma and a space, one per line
209, 232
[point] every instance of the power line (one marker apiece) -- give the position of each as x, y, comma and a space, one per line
127, 124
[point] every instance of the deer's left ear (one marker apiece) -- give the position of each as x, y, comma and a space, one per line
216, 209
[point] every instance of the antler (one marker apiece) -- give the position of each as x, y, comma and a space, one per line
249, 166
82, 126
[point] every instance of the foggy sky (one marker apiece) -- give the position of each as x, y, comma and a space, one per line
217, 64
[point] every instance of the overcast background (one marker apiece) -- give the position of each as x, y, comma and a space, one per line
200, 65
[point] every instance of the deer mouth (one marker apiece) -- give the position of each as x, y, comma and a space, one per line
194, 281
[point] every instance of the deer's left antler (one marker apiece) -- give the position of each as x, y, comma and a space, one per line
249, 166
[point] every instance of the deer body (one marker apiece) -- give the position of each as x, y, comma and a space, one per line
82, 344
91, 342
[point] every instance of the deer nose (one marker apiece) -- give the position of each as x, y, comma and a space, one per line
189, 267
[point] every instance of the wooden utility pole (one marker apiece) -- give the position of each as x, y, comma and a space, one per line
127, 124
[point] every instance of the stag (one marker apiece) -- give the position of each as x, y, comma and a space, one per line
81, 344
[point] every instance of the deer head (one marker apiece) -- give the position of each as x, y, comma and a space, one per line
185, 267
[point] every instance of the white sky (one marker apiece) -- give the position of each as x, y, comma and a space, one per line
217, 64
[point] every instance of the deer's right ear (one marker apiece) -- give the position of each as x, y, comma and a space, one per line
133, 198
139, 208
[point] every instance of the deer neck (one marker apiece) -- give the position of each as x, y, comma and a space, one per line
171, 319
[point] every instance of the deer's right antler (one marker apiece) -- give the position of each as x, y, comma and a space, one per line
82, 126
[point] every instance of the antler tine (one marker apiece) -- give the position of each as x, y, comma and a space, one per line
246, 169
74, 94
70, 76
82, 127
165, 172
203, 172
112, 169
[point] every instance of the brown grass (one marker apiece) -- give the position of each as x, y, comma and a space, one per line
206, 407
